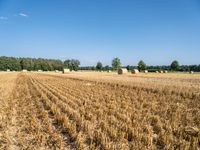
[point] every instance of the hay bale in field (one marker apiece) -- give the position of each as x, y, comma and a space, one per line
146, 71
24, 70
39, 70
165, 71
191, 72
122, 71
66, 71
160, 71
8, 70
56, 71
135, 71
157, 71
109, 71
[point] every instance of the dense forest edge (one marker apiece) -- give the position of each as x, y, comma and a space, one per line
35, 64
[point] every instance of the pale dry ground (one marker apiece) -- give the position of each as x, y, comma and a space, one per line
7, 110
181, 79
170, 81
91, 110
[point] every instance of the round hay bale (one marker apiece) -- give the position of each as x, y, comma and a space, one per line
56, 71
157, 71
135, 71
165, 71
146, 71
191, 72
160, 71
109, 71
24, 70
8, 70
122, 71
66, 71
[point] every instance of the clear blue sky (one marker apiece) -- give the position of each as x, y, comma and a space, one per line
157, 31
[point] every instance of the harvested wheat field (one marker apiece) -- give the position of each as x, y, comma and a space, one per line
85, 110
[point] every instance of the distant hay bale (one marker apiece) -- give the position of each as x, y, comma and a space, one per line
191, 72
56, 71
109, 71
39, 70
122, 71
135, 71
66, 71
157, 71
8, 70
146, 71
160, 71
165, 71
24, 70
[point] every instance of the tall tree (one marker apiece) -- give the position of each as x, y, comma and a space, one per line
67, 64
141, 65
27, 63
99, 66
72, 64
175, 65
116, 64
106, 68
75, 64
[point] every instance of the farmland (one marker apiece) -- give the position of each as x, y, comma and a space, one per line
91, 110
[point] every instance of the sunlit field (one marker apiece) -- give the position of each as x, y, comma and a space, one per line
99, 110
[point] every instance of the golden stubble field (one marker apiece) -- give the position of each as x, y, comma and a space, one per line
90, 110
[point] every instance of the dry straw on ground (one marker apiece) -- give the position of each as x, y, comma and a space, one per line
99, 111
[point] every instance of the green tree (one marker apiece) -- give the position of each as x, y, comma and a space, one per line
107, 68
128, 67
72, 64
99, 66
141, 65
175, 65
67, 64
75, 64
27, 63
116, 64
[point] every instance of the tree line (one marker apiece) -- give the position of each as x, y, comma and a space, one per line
17, 64
116, 64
